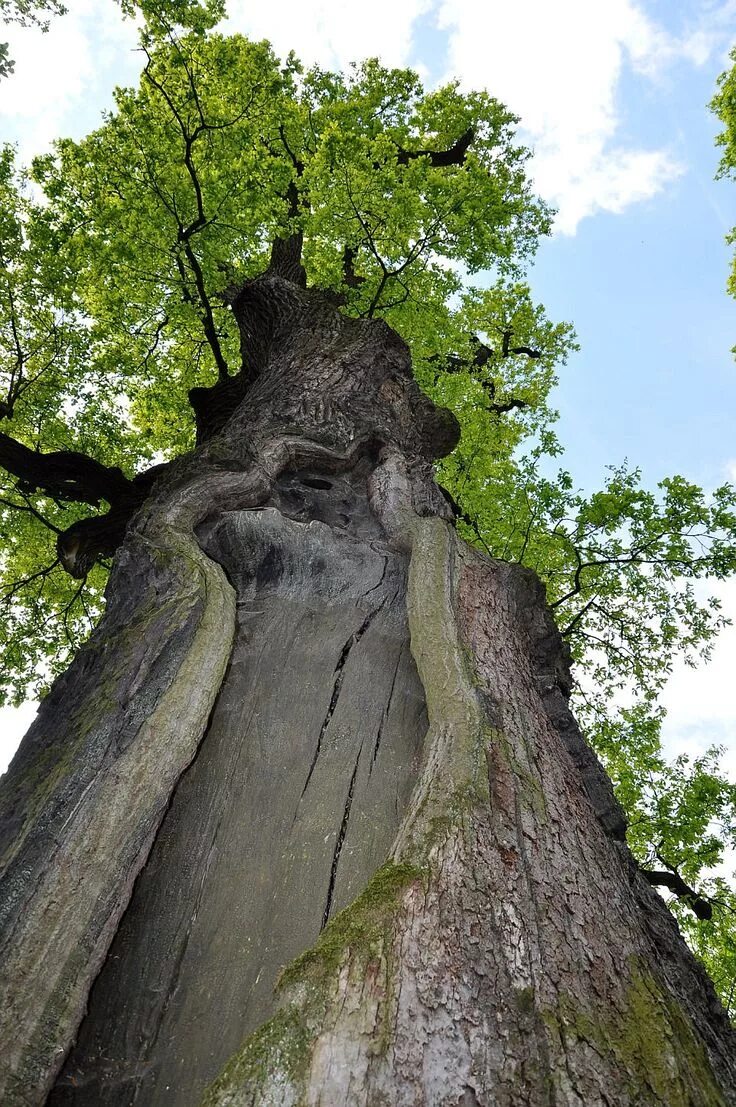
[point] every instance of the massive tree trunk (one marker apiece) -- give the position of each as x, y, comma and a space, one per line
308, 820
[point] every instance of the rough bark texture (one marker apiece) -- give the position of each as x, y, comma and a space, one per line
496, 944
293, 802
509, 953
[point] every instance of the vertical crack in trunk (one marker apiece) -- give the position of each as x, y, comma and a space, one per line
384, 717
339, 843
339, 674
227, 896
381, 579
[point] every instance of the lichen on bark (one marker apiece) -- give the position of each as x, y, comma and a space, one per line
508, 888
489, 943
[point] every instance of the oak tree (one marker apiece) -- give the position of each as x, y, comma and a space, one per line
308, 795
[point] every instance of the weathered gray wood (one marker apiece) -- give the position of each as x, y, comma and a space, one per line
83, 799
81, 803
292, 803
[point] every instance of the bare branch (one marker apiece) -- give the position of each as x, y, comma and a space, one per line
187, 231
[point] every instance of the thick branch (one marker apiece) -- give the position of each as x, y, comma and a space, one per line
507, 348
80, 546
661, 878
286, 259
453, 363
87, 540
455, 155
508, 405
63, 474
286, 253
76, 478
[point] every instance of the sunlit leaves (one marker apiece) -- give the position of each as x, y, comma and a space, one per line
682, 819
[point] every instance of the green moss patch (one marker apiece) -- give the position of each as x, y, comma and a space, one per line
361, 926
279, 1052
652, 1042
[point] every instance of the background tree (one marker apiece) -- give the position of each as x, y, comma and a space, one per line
227, 264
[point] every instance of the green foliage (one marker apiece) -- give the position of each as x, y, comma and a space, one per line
24, 12
104, 284
724, 106
682, 819
27, 12
114, 254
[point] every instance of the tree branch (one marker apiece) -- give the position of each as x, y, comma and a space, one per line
185, 232
76, 478
286, 253
508, 405
63, 474
349, 276
507, 348
438, 159
661, 878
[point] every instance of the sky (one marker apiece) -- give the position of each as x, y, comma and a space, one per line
612, 97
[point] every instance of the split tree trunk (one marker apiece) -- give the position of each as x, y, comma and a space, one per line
308, 821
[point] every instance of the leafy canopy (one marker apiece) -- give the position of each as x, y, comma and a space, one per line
413, 206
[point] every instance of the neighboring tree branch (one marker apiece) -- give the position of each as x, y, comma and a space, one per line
185, 231
661, 878
507, 348
28, 507
508, 405
19, 585
481, 356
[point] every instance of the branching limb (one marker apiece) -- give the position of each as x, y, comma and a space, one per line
286, 253
455, 155
72, 477
663, 878
19, 585
185, 232
481, 356
62, 474
507, 349
508, 405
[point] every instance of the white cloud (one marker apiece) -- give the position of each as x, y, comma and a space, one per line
558, 66
64, 78
331, 32
700, 703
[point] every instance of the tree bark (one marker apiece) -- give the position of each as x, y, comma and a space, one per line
308, 820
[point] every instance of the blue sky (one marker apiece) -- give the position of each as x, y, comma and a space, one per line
613, 97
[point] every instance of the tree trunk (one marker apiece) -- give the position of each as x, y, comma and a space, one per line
308, 820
